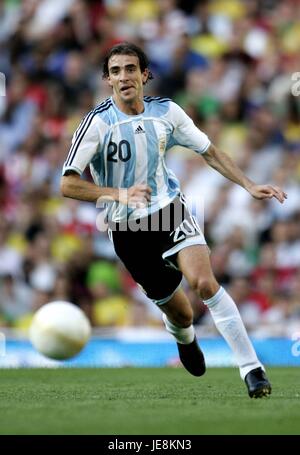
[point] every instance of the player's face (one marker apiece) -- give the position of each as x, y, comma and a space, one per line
125, 78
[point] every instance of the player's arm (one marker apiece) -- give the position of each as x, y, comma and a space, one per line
227, 167
73, 186
86, 143
187, 134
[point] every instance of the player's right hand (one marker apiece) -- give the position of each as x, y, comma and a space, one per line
136, 197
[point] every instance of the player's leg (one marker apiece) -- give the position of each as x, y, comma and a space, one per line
195, 265
162, 286
179, 309
178, 319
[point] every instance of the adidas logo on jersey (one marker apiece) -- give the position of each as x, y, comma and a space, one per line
139, 130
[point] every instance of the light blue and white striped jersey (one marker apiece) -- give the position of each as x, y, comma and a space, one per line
125, 150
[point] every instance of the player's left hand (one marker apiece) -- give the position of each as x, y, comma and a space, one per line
267, 192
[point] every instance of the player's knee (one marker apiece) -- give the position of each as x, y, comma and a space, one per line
184, 317
206, 287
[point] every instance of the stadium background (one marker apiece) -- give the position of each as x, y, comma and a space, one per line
229, 64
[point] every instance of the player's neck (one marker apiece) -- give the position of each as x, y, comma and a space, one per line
134, 107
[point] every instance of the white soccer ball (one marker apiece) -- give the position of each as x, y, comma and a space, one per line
59, 330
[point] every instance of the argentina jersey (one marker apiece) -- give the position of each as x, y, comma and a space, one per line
125, 150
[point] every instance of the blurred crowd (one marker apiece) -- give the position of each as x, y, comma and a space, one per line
230, 65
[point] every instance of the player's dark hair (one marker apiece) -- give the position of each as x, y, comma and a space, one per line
127, 49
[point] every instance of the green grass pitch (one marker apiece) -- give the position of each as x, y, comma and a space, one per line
141, 401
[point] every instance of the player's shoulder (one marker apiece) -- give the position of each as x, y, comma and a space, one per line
97, 114
103, 107
157, 105
100, 108
156, 100
162, 101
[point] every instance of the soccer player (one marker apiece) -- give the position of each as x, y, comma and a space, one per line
124, 140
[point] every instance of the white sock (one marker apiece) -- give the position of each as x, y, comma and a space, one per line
229, 323
183, 335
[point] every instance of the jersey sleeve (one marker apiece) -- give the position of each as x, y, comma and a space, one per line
85, 144
185, 132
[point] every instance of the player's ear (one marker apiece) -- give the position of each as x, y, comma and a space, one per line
145, 75
109, 81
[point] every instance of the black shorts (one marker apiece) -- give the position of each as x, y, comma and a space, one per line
150, 255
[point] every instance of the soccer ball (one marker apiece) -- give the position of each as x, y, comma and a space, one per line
59, 330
